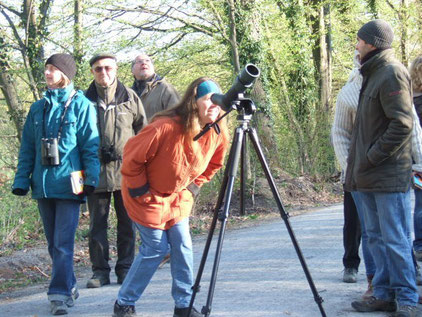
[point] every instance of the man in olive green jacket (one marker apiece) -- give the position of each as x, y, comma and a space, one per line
120, 116
380, 168
155, 92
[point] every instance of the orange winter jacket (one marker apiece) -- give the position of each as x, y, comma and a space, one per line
159, 163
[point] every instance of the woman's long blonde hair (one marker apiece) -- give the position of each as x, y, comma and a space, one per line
187, 111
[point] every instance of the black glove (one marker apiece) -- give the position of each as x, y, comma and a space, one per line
19, 192
88, 190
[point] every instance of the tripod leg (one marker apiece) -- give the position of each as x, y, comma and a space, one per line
221, 215
254, 138
243, 178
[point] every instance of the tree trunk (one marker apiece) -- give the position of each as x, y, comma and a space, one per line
9, 91
233, 37
403, 17
78, 52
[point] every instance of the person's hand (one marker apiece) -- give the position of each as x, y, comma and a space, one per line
88, 190
19, 191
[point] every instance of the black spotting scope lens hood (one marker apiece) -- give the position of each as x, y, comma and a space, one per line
243, 81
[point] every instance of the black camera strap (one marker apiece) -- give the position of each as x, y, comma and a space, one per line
66, 106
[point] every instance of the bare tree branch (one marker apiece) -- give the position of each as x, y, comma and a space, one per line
8, 8
391, 5
192, 25
14, 30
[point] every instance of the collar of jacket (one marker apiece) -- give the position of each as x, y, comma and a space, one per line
58, 96
149, 85
377, 61
106, 94
121, 94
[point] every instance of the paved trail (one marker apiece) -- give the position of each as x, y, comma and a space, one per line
259, 275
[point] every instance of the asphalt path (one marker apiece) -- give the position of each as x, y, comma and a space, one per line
259, 275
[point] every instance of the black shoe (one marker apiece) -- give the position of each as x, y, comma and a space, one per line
183, 312
123, 310
98, 280
121, 277
58, 307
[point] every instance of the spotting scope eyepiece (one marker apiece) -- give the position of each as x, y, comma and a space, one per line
243, 81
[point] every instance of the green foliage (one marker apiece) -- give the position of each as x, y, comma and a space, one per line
189, 39
20, 223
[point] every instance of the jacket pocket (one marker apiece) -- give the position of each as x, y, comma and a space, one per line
150, 208
139, 191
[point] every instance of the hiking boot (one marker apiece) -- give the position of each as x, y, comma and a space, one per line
406, 311
418, 276
58, 307
418, 255
121, 277
74, 294
369, 292
350, 275
183, 312
374, 304
98, 280
123, 310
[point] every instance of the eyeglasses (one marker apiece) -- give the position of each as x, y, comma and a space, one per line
99, 69
143, 61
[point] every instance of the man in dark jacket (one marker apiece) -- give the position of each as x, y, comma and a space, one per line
155, 92
380, 169
120, 115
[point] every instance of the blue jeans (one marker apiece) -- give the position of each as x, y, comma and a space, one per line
60, 219
417, 220
367, 256
155, 245
387, 219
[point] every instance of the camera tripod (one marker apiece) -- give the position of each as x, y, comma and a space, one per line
246, 109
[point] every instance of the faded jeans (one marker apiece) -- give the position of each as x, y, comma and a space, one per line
155, 245
387, 220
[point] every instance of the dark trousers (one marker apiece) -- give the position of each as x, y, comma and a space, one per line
60, 219
99, 208
351, 232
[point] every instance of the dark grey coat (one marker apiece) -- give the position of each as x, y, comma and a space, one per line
380, 157
116, 125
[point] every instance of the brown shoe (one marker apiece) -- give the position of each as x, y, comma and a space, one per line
165, 260
369, 292
374, 304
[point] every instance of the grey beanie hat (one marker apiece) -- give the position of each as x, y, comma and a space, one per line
377, 33
65, 63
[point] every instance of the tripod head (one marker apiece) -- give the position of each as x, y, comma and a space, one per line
244, 106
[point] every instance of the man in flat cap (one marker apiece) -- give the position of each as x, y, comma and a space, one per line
120, 115
155, 92
380, 168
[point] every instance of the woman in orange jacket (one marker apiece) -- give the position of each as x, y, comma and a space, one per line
162, 170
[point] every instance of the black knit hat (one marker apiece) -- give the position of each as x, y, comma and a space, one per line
65, 63
101, 56
377, 33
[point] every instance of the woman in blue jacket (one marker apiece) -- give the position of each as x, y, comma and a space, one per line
60, 136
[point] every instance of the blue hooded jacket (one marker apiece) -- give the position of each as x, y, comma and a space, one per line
78, 145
